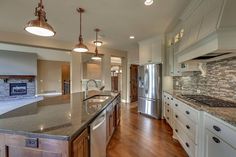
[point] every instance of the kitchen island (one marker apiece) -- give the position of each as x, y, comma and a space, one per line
59, 128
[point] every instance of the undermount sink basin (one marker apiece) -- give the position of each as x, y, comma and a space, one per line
97, 99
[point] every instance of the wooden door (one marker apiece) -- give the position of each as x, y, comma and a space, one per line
114, 83
133, 83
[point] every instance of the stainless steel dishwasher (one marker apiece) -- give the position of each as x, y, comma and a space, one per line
98, 136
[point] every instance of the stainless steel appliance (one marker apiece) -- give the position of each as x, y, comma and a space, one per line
98, 136
209, 101
149, 90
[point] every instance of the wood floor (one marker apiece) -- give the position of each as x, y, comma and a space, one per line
139, 136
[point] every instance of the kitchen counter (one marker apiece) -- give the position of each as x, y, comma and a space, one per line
224, 113
61, 117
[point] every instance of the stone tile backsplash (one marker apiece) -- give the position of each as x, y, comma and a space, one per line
5, 89
220, 80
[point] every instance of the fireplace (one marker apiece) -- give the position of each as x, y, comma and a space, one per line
18, 89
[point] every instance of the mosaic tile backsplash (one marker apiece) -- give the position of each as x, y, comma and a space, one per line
220, 80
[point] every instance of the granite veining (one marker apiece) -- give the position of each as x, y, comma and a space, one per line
224, 113
60, 117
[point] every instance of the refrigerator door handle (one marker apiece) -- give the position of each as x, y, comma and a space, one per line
146, 82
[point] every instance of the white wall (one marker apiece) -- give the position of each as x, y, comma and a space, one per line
14, 63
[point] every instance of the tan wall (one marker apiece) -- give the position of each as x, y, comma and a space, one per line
50, 75
92, 71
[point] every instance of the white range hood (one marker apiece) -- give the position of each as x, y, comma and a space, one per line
213, 32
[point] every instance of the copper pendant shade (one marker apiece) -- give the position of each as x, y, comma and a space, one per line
96, 57
40, 26
80, 47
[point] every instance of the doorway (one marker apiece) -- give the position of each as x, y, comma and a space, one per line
134, 82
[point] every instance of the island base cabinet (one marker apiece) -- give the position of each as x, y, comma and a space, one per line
80, 145
216, 147
15, 146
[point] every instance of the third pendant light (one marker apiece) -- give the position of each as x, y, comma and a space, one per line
80, 47
96, 57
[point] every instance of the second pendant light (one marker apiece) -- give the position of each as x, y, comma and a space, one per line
80, 47
96, 57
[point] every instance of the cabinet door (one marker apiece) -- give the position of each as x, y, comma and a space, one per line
145, 50
170, 60
80, 145
156, 46
216, 147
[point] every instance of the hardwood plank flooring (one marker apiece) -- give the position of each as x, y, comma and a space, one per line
140, 136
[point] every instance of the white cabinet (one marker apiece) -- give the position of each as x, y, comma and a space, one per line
150, 51
170, 61
216, 147
220, 138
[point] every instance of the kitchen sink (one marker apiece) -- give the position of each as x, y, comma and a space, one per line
97, 99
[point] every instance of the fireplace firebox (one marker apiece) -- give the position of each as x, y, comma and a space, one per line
18, 89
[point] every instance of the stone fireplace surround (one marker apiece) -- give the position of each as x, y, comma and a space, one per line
5, 82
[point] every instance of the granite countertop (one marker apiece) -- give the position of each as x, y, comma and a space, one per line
60, 117
227, 114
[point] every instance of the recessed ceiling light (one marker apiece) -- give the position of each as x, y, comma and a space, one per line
148, 2
131, 37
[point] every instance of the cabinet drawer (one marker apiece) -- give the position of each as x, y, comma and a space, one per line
221, 129
185, 141
168, 114
188, 126
216, 147
187, 110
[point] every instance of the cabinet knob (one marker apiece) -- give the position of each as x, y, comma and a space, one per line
176, 116
172, 99
216, 128
176, 105
176, 130
168, 118
187, 126
216, 140
168, 110
187, 112
187, 144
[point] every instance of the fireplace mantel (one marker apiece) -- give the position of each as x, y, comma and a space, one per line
7, 77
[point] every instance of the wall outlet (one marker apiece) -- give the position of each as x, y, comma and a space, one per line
198, 91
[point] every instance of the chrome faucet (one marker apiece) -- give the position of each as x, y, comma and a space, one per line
91, 80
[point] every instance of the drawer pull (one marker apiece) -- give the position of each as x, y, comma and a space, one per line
187, 144
187, 112
216, 128
168, 98
176, 130
176, 116
168, 110
172, 99
187, 126
168, 118
176, 105
216, 140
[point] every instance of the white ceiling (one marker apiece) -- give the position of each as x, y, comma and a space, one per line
118, 19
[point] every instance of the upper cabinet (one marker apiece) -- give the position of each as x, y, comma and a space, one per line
150, 50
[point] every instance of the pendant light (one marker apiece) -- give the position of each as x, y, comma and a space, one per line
80, 47
40, 26
96, 57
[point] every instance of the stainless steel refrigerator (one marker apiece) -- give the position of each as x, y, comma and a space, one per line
150, 89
